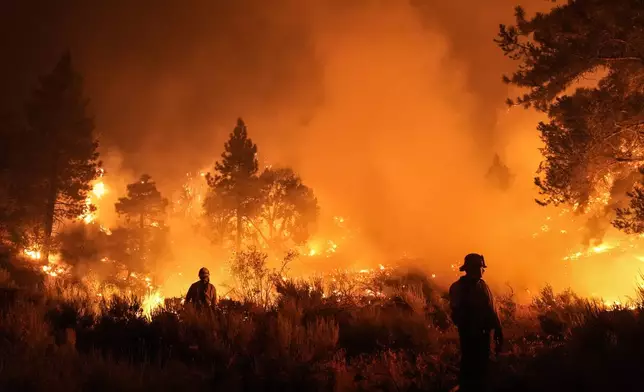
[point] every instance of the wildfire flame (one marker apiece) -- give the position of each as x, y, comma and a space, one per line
32, 254
152, 301
98, 191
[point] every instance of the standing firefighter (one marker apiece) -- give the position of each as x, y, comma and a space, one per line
202, 294
474, 314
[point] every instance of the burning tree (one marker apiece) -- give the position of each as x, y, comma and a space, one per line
233, 186
288, 208
144, 211
58, 151
593, 139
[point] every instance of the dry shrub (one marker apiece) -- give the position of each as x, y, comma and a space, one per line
5, 279
507, 307
299, 294
23, 324
559, 313
344, 287
398, 370
304, 342
253, 280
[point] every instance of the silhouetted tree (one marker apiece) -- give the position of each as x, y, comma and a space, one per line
219, 217
144, 210
593, 136
499, 174
11, 213
289, 209
82, 243
235, 179
144, 206
60, 149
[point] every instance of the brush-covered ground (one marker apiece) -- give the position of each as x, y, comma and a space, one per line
58, 337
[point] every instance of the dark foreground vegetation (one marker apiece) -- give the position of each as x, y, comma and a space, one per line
54, 337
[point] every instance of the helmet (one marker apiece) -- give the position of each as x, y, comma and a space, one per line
203, 272
473, 260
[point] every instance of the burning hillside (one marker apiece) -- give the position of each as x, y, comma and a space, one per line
605, 266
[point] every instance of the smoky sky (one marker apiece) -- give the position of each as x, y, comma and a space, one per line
392, 110
168, 77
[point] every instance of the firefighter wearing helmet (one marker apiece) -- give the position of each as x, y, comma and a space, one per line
202, 294
475, 317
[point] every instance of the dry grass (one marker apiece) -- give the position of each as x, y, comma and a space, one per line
309, 337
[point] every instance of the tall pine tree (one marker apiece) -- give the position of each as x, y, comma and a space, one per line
235, 178
61, 147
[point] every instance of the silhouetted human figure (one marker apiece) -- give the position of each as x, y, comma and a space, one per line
474, 314
202, 294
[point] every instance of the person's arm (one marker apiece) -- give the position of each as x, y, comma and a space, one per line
211, 298
495, 321
494, 316
190, 297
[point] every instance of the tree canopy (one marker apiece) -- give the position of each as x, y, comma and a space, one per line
593, 146
144, 206
234, 181
288, 209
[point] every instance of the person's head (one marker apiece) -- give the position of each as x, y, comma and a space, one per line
204, 274
474, 265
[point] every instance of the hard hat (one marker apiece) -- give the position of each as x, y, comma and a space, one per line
473, 260
204, 271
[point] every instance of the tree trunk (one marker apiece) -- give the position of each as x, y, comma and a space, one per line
141, 238
239, 231
49, 217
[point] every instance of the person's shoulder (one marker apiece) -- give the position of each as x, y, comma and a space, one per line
455, 285
484, 286
482, 283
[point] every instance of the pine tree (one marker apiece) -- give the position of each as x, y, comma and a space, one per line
592, 141
144, 210
143, 206
235, 178
60, 147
